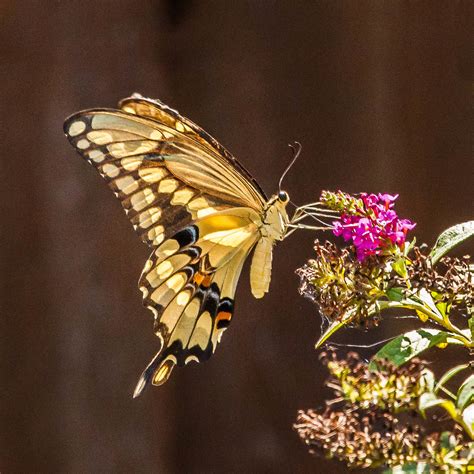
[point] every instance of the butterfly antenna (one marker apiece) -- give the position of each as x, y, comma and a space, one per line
296, 149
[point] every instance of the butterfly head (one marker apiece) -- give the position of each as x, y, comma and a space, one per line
276, 221
283, 197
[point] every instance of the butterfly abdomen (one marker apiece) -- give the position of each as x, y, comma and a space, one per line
261, 268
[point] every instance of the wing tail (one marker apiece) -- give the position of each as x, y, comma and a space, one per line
157, 372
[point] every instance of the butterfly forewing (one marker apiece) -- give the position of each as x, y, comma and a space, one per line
189, 199
156, 110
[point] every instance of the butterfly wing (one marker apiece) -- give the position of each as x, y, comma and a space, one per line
189, 284
172, 178
119, 143
155, 109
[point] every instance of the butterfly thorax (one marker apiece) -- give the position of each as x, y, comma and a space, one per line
274, 226
275, 218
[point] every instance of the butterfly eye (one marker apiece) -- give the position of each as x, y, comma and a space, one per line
283, 196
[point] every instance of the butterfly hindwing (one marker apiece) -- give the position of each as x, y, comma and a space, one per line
189, 284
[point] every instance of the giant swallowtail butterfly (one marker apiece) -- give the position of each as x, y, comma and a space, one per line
198, 209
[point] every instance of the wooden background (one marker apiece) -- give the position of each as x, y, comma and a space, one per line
378, 93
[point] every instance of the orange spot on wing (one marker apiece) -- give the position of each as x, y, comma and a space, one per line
204, 280
223, 315
198, 278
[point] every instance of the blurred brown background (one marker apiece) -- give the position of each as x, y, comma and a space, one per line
378, 93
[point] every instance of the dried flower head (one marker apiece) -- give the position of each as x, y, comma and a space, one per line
374, 439
344, 288
341, 285
451, 281
368, 221
389, 388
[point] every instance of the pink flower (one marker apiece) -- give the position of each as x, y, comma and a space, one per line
388, 199
374, 227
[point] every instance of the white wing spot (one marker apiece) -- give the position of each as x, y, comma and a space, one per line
96, 155
205, 212
183, 298
100, 138
182, 197
110, 170
191, 358
164, 270
152, 175
149, 217
202, 331
154, 311
123, 149
167, 185
130, 164
176, 282
76, 128
156, 234
167, 248
83, 144
142, 199
179, 126
198, 203
127, 184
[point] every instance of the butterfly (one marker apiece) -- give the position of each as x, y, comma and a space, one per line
199, 210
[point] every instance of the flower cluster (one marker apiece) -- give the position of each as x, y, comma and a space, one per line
344, 288
391, 387
374, 439
373, 418
452, 281
341, 202
368, 221
340, 285
376, 423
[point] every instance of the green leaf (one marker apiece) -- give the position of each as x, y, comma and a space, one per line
395, 294
426, 298
412, 468
450, 238
442, 306
408, 246
400, 267
430, 400
335, 326
408, 345
465, 393
448, 375
447, 440
468, 419
471, 326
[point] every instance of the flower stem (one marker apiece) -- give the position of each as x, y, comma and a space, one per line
445, 322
